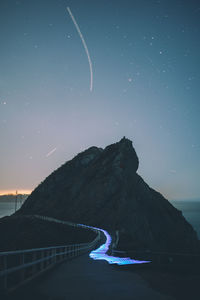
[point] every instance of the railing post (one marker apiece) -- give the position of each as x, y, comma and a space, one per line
52, 258
5, 281
57, 255
62, 251
71, 249
54, 255
34, 267
42, 262
22, 270
48, 259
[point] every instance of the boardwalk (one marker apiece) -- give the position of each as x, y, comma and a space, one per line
84, 278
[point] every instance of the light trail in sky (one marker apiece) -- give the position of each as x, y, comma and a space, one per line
85, 47
100, 253
51, 152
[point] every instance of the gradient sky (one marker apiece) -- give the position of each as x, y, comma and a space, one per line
145, 57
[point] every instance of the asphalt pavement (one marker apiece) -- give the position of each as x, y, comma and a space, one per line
84, 278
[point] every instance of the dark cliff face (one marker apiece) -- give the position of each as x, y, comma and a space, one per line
101, 188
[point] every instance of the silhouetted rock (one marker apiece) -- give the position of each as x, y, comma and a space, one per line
101, 188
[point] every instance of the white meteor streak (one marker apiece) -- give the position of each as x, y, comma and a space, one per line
51, 152
85, 47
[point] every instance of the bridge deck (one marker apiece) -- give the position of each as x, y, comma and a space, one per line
84, 278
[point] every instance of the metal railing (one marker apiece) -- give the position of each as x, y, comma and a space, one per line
18, 267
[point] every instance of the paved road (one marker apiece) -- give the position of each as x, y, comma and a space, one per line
84, 278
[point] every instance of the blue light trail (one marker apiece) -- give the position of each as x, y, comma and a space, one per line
100, 253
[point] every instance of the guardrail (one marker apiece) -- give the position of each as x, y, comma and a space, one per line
18, 267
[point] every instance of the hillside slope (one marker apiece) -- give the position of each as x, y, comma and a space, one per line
101, 187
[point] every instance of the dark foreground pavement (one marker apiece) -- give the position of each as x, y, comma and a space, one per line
84, 278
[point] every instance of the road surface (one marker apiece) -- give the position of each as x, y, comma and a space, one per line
84, 278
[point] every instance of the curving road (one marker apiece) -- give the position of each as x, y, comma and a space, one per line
100, 253
84, 278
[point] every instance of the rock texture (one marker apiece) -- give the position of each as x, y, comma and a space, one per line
100, 187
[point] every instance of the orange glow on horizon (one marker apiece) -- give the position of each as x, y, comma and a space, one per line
13, 192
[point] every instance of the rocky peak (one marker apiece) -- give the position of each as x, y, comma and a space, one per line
88, 155
100, 187
126, 142
123, 155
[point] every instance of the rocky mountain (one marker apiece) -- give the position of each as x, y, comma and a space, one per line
101, 187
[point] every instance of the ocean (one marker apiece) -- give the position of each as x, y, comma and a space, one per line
7, 208
191, 211
189, 208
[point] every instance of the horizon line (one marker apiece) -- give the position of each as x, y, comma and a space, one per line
13, 192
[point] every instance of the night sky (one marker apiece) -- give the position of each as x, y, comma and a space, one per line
146, 80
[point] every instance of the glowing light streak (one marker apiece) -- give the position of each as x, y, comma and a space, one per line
100, 253
85, 47
51, 152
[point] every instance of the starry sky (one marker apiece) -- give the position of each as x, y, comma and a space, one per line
146, 79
